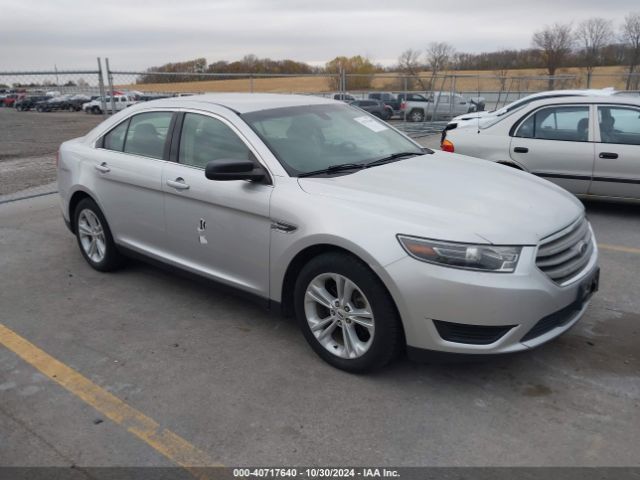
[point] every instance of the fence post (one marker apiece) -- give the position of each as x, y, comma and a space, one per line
110, 81
344, 84
404, 110
589, 78
453, 90
251, 83
101, 87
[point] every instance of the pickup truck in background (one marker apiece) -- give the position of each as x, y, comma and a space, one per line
436, 106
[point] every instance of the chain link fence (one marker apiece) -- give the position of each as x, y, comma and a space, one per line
443, 95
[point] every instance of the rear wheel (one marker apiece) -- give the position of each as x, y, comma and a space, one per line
96, 110
94, 237
346, 313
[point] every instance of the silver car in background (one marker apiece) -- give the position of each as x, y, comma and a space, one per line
375, 244
587, 145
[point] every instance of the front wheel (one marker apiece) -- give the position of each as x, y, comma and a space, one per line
94, 237
416, 116
346, 313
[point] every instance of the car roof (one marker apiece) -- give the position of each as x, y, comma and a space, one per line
241, 102
580, 92
610, 99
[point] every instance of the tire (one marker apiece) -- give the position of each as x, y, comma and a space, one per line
416, 116
377, 339
20, 108
96, 110
387, 115
39, 109
88, 221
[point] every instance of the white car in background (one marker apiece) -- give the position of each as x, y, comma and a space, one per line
588, 145
472, 117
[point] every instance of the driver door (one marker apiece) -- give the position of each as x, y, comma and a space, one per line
220, 229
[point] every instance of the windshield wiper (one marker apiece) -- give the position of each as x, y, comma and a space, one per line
333, 169
390, 158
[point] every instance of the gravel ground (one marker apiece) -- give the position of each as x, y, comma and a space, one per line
28, 142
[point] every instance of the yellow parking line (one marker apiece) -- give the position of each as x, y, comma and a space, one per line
618, 248
172, 446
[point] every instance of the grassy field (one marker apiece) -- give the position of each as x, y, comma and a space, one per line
468, 81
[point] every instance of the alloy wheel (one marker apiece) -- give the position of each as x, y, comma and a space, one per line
339, 315
92, 236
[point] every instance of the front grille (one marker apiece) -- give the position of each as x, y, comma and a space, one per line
563, 255
471, 334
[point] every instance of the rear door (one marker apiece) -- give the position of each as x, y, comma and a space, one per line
556, 143
617, 162
217, 228
127, 167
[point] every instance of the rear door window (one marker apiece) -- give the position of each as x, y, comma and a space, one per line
147, 134
619, 125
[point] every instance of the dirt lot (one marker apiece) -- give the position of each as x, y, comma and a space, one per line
28, 142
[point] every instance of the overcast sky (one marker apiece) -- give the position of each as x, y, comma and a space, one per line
136, 34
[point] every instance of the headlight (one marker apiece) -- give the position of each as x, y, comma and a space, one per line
487, 258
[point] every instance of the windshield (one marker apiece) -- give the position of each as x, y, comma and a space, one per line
314, 137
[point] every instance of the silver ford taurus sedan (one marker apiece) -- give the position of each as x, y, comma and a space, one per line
375, 244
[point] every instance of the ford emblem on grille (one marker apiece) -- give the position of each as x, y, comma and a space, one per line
582, 247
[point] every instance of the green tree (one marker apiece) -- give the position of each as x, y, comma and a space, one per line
357, 65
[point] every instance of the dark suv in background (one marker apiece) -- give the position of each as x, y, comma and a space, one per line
374, 107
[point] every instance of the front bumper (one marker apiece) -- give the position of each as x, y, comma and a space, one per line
522, 300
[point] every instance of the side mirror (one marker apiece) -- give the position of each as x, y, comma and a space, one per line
233, 170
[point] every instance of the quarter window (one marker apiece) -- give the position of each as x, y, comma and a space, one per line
114, 140
147, 134
619, 125
557, 123
205, 138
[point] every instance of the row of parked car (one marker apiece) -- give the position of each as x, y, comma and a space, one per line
54, 101
415, 107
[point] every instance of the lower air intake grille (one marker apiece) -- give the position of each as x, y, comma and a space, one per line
471, 334
563, 255
556, 319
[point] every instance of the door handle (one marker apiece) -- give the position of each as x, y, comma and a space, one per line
178, 184
609, 155
103, 168
521, 150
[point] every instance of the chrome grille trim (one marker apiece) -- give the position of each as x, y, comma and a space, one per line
564, 255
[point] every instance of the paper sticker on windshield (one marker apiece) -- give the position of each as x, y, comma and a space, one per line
371, 124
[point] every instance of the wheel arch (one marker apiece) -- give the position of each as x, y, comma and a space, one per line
303, 257
74, 200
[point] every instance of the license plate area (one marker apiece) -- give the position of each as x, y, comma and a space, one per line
588, 287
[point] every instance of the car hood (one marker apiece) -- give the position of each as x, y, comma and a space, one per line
452, 197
